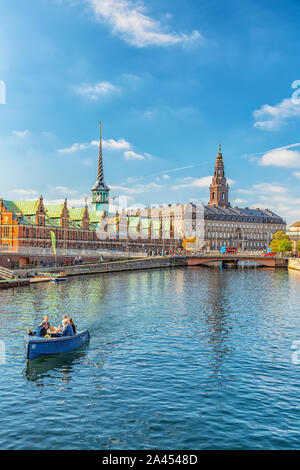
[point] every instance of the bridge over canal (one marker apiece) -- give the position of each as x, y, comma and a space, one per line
271, 262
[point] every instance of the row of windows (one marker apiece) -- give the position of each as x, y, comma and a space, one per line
260, 226
244, 236
257, 245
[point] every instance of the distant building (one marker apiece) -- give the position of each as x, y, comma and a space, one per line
243, 228
213, 225
293, 232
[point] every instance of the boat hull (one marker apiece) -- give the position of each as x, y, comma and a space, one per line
41, 347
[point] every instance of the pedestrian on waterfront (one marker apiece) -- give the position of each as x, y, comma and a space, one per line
79, 260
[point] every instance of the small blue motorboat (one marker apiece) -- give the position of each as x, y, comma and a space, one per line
38, 346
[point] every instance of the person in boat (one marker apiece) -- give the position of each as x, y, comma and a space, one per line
41, 329
70, 321
46, 322
67, 328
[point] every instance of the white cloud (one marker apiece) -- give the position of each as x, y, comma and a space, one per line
269, 188
165, 177
75, 148
25, 192
297, 174
64, 190
138, 189
99, 90
21, 133
271, 118
130, 155
203, 182
112, 144
239, 201
281, 158
73, 202
109, 144
128, 19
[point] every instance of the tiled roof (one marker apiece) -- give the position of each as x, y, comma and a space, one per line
95, 217
237, 213
76, 213
26, 207
55, 211
15, 208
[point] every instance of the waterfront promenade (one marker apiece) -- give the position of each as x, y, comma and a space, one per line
25, 276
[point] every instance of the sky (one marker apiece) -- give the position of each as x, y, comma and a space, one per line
168, 80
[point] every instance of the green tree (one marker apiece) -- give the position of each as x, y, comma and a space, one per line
280, 242
285, 245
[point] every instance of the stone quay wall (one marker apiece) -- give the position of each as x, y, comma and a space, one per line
294, 263
114, 266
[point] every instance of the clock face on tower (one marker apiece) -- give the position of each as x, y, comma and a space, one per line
5, 219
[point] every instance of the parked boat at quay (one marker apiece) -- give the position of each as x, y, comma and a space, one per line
46, 277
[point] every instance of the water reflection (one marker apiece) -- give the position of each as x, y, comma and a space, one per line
217, 317
61, 364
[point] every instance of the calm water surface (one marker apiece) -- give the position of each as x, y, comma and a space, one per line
178, 359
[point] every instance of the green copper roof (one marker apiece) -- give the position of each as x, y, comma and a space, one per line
95, 217
76, 213
26, 207
54, 212
15, 208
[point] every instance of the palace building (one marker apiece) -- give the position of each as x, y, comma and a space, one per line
213, 225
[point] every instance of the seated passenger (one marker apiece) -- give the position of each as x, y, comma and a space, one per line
67, 329
46, 322
41, 329
72, 325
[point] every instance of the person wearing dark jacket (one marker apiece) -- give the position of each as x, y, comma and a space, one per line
41, 330
72, 325
67, 329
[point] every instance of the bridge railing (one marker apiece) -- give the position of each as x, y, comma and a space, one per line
237, 254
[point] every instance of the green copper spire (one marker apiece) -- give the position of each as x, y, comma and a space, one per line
100, 191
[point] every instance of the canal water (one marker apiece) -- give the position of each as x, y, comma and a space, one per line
189, 358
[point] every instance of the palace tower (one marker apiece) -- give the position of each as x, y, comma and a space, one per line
219, 188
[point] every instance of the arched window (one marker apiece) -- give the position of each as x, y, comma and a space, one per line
213, 196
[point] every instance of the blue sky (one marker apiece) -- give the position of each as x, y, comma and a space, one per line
168, 80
